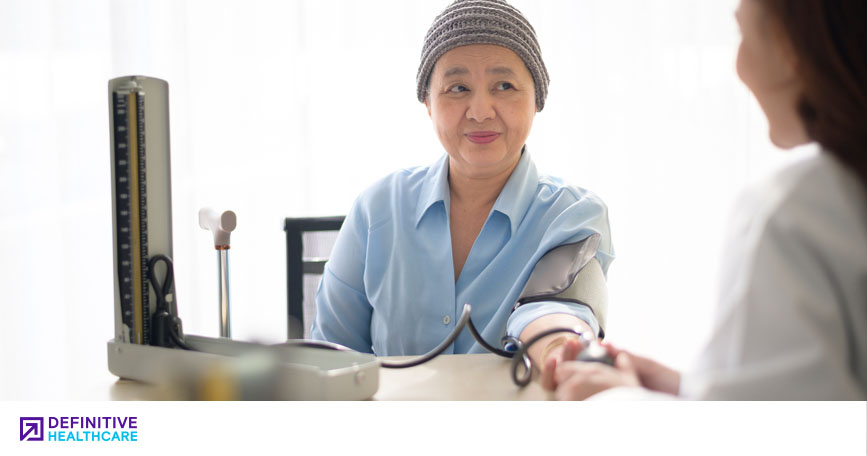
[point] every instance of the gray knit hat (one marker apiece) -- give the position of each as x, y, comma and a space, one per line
483, 22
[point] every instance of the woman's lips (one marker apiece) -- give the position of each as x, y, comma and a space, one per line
483, 137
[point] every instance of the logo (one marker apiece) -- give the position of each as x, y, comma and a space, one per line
31, 428
79, 428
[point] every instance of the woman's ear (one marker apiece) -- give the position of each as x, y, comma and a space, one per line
789, 60
785, 53
427, 103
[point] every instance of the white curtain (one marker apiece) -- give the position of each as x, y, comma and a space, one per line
291, 108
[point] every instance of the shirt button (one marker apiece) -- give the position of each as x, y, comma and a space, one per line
447, 319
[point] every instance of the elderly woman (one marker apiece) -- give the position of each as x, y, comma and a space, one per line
471, 227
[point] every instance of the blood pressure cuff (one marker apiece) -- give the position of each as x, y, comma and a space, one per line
570, 273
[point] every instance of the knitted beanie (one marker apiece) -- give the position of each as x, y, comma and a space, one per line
483, 22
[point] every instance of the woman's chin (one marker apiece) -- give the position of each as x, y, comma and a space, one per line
485, 161
787, 140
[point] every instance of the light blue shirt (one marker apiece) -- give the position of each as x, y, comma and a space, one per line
389, 288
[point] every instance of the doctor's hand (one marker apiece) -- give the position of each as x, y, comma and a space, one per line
651, 375
578, 380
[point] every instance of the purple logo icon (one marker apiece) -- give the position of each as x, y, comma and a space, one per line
31, 428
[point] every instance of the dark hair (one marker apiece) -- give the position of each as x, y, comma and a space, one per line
829, 39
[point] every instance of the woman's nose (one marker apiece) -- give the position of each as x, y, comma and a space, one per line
481, 107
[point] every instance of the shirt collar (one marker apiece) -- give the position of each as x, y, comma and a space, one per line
514, 199
434, 189
519, 191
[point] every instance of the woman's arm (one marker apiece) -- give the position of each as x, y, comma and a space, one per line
343, 313
566, 290
551, 349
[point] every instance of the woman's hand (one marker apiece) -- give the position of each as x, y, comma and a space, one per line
557, 356
555, 347
576, 380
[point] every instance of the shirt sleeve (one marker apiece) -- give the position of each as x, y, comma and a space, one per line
590, 216
522, 316
343, 313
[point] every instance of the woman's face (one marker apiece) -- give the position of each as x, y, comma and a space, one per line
766, 64
482, 103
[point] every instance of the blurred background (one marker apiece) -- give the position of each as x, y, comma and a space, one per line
291, 108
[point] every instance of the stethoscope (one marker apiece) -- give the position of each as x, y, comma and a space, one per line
168, 332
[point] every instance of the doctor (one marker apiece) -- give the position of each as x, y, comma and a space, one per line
792, 318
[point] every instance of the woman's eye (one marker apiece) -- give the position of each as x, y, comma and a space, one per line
457, 89
505, 86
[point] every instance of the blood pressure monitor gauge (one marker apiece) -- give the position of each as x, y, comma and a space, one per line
141, 197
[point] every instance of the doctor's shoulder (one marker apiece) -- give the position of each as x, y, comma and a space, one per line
814, 210
816, 193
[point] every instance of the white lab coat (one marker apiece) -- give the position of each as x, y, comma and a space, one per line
792, 316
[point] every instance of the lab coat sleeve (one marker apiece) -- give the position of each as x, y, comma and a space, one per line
780, 332
343, 313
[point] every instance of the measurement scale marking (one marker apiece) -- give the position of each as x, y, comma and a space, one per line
143, 217
122, 189
134, 216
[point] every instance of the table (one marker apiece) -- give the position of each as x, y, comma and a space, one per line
477, 377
